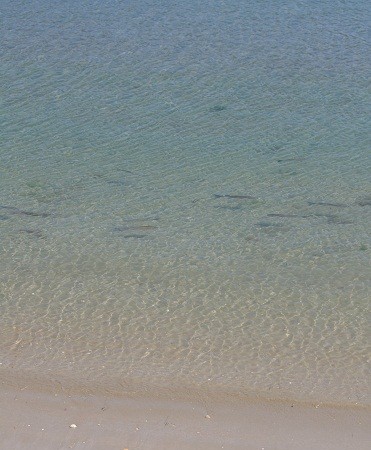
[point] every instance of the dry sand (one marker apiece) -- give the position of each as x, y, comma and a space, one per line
32, 419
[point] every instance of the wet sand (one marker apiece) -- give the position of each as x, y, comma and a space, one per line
32, 419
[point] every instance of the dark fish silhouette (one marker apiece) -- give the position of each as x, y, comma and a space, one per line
218, 108
339, 221
299, 158
269, 224
116, 182
228, 208
36, 233
301, 216
337, 205
136, 227
144, 219
238, 197
21, 212
283, 215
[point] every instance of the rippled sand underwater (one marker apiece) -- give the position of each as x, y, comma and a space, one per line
185, 196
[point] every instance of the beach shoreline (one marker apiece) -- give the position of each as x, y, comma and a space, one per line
39, 419
185, 208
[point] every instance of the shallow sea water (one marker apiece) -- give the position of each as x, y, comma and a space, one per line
185, 195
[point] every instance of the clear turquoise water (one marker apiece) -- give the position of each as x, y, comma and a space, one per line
128, 130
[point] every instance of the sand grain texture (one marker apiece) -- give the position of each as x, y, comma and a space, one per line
32, 420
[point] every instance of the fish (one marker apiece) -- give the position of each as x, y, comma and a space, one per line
136, 227
337, 205
21, 212
218, 108
144, 219
271, 228
263, 224
228, 208
316, 214
339, 220
33, 214
126, 171
283, 215
301, 216
235, 196
36, 233
116, 182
